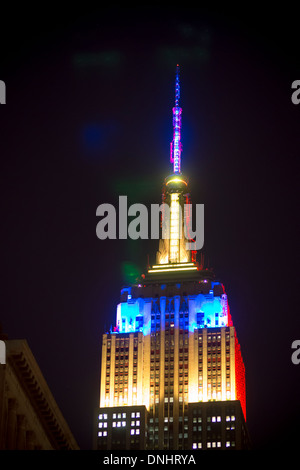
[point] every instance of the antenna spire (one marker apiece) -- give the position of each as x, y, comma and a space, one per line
177, 87
175, 146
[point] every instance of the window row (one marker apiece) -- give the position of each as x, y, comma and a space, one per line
119, 424
134, 414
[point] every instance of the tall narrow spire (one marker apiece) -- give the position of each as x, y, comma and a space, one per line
175, 146
177, 87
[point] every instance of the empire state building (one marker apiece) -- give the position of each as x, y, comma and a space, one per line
172, 372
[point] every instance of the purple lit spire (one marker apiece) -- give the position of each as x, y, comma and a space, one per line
175, 146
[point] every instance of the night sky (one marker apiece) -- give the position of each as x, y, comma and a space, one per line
88, 118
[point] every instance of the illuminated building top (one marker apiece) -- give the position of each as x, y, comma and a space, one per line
173, 345
176, 271
174, 263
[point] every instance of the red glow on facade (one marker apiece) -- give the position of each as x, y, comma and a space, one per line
240, 382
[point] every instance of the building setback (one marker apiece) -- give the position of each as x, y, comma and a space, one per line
173, 356
29, 415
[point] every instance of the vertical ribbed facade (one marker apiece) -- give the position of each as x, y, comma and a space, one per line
171, 360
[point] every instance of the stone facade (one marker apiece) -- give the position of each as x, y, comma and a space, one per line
29, 415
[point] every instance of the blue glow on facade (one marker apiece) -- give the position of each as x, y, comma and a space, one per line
133, 316
200, 311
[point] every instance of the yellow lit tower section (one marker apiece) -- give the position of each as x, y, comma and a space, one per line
172, 247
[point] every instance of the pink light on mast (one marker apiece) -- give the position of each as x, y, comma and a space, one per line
175, 146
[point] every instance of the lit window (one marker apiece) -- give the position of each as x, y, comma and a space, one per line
137, 423
138, 414
118, 424
100, 425
123, 424
100, 416
218, 418
137, 431
232, 418
114, 415
105, 416
218, 444
132, 431
194, 445
100, 434
114, 424
227, 444
123, 415
208, 444
133, 415
213, 419
104, 433
119, 415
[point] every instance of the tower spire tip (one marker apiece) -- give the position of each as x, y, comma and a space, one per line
176, 143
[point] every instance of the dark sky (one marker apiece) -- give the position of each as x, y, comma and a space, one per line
88, 118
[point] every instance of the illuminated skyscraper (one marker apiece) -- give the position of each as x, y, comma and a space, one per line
172, 373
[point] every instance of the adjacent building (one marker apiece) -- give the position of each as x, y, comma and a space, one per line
30, 418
